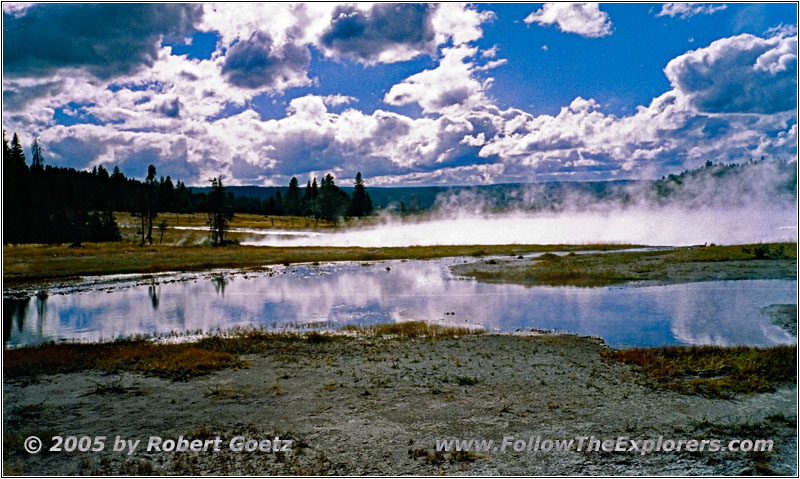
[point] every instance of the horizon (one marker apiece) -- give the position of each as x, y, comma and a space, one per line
410, 95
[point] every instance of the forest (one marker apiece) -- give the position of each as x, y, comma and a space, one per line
49, 204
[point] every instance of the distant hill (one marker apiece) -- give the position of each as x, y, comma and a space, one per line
710, 185
419, 197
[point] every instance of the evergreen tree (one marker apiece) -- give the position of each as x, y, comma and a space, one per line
152, 200
183, 199
37, 162
361, 204
166, 195
312, 193
15, 193
17, 153
279, 208
332, 202
220, 213
291, 201
270, 208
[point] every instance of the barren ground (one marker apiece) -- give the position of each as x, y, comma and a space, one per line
371, 405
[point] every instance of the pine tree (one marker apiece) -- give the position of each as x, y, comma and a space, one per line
152, 200
17, 153
360, 204
291, 201
279, 207
37, 162
16, 191
220, 212
332, 202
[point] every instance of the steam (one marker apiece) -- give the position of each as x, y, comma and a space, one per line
718, 204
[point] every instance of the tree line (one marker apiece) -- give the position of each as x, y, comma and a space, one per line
48, 204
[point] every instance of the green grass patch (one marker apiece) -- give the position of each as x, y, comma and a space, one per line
413, 329
28, 263
714, 371
697, 263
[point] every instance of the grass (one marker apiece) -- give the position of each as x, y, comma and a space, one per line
29, 263
175, 361
714, 371
185, 360
413, 329
703, 263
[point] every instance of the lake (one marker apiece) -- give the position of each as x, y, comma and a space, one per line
336, 294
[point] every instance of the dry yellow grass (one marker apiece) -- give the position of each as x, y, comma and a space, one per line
713, 370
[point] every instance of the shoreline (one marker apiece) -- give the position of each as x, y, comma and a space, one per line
30, 266
376, 404
25, 264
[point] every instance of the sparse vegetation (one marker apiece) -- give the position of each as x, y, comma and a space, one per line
698, 263
176, 361
185, 360
413, 329
713, 370
466, 380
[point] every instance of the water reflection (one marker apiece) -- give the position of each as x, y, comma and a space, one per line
725, 312
14, 312
219, 281
153, 290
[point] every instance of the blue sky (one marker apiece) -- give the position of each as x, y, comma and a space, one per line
408, 94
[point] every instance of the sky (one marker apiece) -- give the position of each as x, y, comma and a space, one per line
406, 94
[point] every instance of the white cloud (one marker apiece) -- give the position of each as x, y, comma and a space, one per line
585, 19
449, 87
727, 102
686, 10
16, 8
741, 74
460, 22
337, 99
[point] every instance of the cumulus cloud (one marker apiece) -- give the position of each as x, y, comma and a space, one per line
741, 74
460, 22
171, 108
337, 99
384, 33
194, 117
585, 19
257, 63
106, 40
451, 86
686, 10
16, 8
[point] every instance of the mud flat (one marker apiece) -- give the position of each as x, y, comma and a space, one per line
377, 404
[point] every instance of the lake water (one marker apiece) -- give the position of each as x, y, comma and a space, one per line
333, 295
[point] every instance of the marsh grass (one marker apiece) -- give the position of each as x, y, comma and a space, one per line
28, 263
714, 371
413, 329
697, 263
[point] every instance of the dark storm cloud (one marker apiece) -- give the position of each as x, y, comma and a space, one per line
105, 39
16, 97
365, 35
256, 63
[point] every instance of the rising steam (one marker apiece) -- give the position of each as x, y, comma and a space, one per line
716, 204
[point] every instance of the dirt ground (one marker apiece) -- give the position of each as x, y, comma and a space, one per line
371, 405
